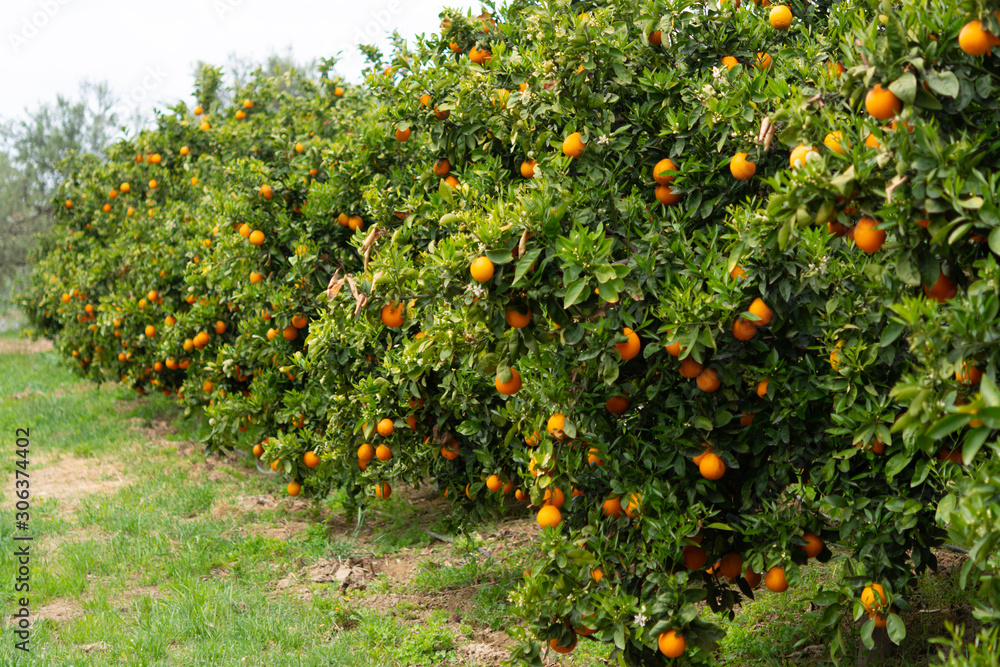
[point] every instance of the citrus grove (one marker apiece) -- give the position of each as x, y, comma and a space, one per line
710, 288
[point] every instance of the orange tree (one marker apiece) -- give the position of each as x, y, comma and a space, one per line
655, 270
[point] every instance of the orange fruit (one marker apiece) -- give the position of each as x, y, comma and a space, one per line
493, 483
873, 597
694, 557
310, 459
664, 165
943, 290
762, 387
882, 103
573, 145
593, 457
528, 168
510, 387
294, 488
813, 546
392, 315
555, 423
266, 192
451, 451
549, 516
743, 329
257, 237
220, 327
479, 56
775, 580
666, 196
867, 237
632, 508
150, 331
871, 141
207, 386
338, 91
760, 309
442, 167
402, 135
835, 142
797, 158
730, 62
969, 375
690, 368
383, 490
671, 644
612, 507
559, 648
763, 61
258, 450
555, 497
481, 269
752, 578
630, 348
386, 427
712, 467
290, 333
451, 181
780, 17
299, 321
708, 381
383, 453
973, 39
655, 38
730, 566
741, 168
880, 620
617, 405
366, 453
835, 68
354, 223
516, 319
596, 574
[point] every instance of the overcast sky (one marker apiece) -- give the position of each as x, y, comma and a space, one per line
147, 50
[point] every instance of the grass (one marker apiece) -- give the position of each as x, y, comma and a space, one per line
159, 562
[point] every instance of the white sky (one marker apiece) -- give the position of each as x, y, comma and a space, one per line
147, 50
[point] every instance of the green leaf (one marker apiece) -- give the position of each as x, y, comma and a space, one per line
896, 464
973, 442
844, 181
994, 240
866, 634
943, 83
890, 334
946, 425
784, 232
524, 264
575, 292
905, 87
990, 392
896, 629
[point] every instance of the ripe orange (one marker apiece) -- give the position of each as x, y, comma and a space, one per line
775, 580
383, 490
593, 457
752, 578
366, 453
836, 68
338, 91
354, 223
294, 488
813, 546
451, 181
871, 141
630, 348
612, 507
882, 103
510, 387
835, 142
730, 566
596, 574
386, 427
257, 237
220, 327
479, 56
481, 269
664, 165
528, 168
383, 453
442, 167
555, 423
873, 597
150, 331
655, 38
760, 309
880, 620
555, 497
942, 290
310, 459
207, 386
617, 404
402, 135
797, 158
451, 451
741, 168
969, 375
516, 319
711, 466
299, 321
258, 450
867, 237
634, 502
708, 381
671, 644
493, 483
974, 40
559, 648
290, 333
762, 387
763, 61
549, 516
690, 368
730, 62
694, 557
666, 195
780, 17
392, 315
743, 329
573, 145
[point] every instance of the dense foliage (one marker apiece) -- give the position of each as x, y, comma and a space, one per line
710, 287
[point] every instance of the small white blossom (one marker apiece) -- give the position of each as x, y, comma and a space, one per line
640, 620
603, 140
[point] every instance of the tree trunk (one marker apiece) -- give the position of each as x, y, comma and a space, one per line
879, 653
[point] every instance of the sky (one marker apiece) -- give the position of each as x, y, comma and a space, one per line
147, 50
